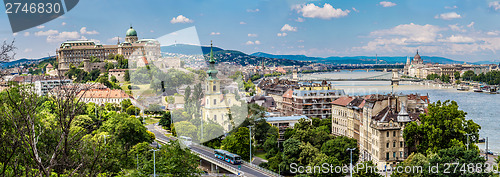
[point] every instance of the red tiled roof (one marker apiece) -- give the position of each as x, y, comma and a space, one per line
104, 93
342, 101
288, 93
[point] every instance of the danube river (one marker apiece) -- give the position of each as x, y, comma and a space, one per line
482, 108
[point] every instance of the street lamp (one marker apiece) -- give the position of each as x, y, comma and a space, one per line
350, 165
154, 161
250, 129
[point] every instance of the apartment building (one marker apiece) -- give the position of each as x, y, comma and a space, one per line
42, 84
311, 100
377, 123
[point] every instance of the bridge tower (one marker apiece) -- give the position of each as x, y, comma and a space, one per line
395, 77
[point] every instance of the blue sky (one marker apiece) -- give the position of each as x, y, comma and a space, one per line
466, 30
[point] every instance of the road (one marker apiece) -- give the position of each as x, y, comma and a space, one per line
245, 168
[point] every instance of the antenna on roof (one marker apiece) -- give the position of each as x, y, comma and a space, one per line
118, 40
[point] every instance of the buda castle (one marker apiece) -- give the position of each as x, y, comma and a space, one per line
76, 52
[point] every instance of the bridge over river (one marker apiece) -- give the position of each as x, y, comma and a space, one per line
207, 154
349, 76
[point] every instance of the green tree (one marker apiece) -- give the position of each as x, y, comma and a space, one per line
165, 120
291, 151
457, 75
128, 130
125, 104
238, 143
132, 110
337, 148
185, 128
127, 76
443, 126
171, 160
113, 79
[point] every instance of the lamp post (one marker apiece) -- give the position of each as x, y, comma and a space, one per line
350, 164
154, 161
468, 134
250, 129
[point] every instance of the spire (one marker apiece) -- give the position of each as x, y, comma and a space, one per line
212, 72
417, 51
212, 60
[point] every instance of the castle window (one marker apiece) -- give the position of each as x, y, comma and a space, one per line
215, 87
215, 101
215, 117
394, 133
387, 134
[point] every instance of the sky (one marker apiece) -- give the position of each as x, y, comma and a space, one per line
464, 30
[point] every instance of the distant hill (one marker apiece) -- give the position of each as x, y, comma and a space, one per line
357, 59
188, 49
229, 55
22, 61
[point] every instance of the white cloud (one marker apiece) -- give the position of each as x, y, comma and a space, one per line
300, 19
325, 12
40, 27
387, 4
406, 38
27, 50
243, 23
181, 19
252, 42
65, 35
83, 30
114, 39
495, 5
252, 35
455, 27
448, 16
63, 23
253, 10
493, 33
287, 27
450, 7
46, 33
214, 33
281, 34
355, 10
300, 46
14, 34
470, 25
402, 37
151, 31
26, 33
458, 39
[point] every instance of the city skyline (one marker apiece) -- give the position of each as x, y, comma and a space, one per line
459, 30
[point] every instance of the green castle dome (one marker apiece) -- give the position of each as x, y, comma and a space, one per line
131, 32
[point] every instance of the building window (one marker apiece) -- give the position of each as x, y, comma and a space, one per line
400, 153
387, 146
394, 133
215, 87
394, 144
387, 134
394, 154
387, 156
400, 144
215, 117
215, 101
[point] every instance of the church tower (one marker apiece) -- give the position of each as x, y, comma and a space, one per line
215, 109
